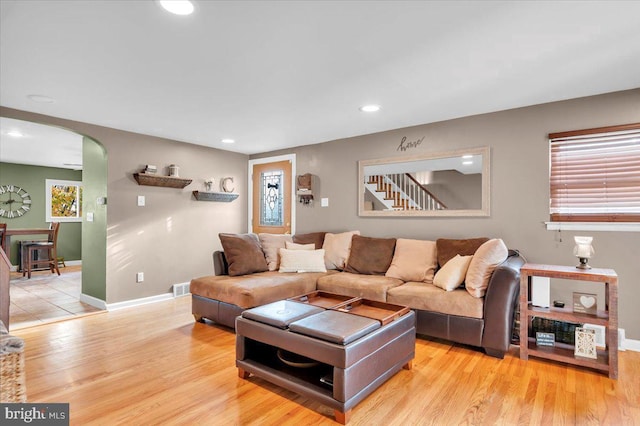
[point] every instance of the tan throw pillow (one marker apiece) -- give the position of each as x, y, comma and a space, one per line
486, 258
413, 260
243, 253
447, 249
271, 243
336, 249
302, 261
452, 274
295, 246
370, 256
317, 238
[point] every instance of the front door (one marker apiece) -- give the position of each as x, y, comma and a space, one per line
272, 198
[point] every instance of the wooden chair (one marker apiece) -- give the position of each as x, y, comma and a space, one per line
51, 249
3, 228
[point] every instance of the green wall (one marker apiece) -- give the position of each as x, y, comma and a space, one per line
94, 233
32, 179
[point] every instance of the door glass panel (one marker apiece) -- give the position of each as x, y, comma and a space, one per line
271, 193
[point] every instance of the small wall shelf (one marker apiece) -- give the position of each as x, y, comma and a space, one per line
225, 197
164, 181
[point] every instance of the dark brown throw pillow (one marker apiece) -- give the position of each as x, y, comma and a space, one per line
244, 254
448, 249
316, 238
370, 256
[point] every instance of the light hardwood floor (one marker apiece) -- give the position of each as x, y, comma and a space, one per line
153, 365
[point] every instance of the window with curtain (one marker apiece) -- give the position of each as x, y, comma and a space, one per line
595, 175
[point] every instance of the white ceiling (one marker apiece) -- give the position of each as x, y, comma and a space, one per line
274, 75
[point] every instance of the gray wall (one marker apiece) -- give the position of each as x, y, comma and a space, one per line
172, 238
519, 187
32, 179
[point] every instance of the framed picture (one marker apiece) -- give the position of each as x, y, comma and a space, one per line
600, 331
585, 343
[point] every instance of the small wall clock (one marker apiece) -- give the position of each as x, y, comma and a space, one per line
14, 201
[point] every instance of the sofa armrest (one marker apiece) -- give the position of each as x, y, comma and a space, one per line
220, 265
500, 303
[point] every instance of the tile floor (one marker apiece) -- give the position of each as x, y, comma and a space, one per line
46, 297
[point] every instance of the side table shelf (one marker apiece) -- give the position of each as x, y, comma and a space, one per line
608, 358
164, 181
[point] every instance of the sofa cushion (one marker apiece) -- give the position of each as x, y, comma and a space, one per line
487, 257
337, 248
428, 297
271, 245
256, 289
370, 256
244, 254
447, 249
373, 287
296, 246
302, 261
413, 260
452, 274
316, 238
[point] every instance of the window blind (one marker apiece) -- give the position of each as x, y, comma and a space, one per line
595, 175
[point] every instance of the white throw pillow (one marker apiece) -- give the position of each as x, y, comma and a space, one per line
302, 261
296, 246
337, 248
485, 259
452, 274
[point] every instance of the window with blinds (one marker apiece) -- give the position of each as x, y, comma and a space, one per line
595, 175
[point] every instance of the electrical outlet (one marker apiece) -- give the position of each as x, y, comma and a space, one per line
139, 277
141, 201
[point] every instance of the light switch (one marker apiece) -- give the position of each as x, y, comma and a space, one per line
324, 202
141, 200
89, 217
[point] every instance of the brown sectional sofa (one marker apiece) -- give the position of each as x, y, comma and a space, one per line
456, 315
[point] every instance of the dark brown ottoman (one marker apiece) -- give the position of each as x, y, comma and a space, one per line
347, 356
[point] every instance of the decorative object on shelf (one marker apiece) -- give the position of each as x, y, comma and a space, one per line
174, 171
224, 197
164, 181
558, 304
583, 251
585, 303
225, 184
540, 291
545, 339
14, 201
150, 169
586, 343
208, 184
304, 188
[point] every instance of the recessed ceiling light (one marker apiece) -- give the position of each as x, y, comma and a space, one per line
177, 7
228, 141
370, 108
15, 133
41, 99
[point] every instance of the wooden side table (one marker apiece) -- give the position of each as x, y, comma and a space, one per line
608, 358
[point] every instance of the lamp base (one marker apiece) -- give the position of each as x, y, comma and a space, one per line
583, 263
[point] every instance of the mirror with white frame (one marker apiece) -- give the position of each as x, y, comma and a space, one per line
454, 183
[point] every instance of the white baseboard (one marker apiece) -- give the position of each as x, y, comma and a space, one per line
93, 301
138, 302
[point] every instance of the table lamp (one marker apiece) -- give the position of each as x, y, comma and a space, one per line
583, 251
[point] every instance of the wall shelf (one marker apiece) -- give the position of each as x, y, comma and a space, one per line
164, 181
225, 197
